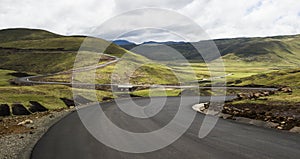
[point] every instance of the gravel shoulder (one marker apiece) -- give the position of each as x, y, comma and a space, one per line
18, 139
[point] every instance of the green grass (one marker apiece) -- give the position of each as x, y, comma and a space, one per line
284, 97
144, 71
47, 95
157, 92
153, 72
287, 77
37, 62
17, 34
5, 77
39, 51
233, 69
65, 43
280, 49
290, 77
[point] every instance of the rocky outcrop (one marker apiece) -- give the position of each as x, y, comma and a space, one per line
68, 102
19, 109
286, 117
36, 107
106, 98
286, 90
254, 95
4, 110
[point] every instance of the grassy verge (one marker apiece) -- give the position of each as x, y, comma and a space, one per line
48, 95
157, 92
282, 108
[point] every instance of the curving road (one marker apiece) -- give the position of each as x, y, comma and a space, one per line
68, 139
30, 80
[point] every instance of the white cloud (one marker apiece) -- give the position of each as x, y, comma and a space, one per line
219, 18
126, 5
64, 16
232, 18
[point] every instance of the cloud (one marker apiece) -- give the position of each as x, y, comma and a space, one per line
231, 18
65, 16
220, 19
150, 33
126, 5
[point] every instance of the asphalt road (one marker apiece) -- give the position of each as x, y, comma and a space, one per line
69, 139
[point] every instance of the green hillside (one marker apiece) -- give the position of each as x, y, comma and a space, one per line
290, 77
279, 49
283, 49
279, 78
36, 61
39, 51
8, 35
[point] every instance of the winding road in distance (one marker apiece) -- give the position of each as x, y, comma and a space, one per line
68, 139
30, 80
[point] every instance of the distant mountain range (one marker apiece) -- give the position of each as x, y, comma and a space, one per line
123, 42
284, 49
276, 49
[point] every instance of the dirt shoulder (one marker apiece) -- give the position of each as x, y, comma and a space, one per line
276, 107
285, 115
18, 134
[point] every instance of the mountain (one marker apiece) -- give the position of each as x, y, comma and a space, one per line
16, 34
123, 42
40, 51
285, 49
165, 43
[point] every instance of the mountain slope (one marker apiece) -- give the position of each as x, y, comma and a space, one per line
39, 51
286, 77
51, 53
283, 49
7, 35
123, 42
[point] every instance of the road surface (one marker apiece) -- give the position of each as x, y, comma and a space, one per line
68, 139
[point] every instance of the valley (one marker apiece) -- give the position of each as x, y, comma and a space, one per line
248, 62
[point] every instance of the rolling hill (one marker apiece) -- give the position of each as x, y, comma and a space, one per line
277, 78
42, 52
39, 51
16, 34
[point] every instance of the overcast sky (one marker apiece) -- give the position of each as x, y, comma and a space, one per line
218, 18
